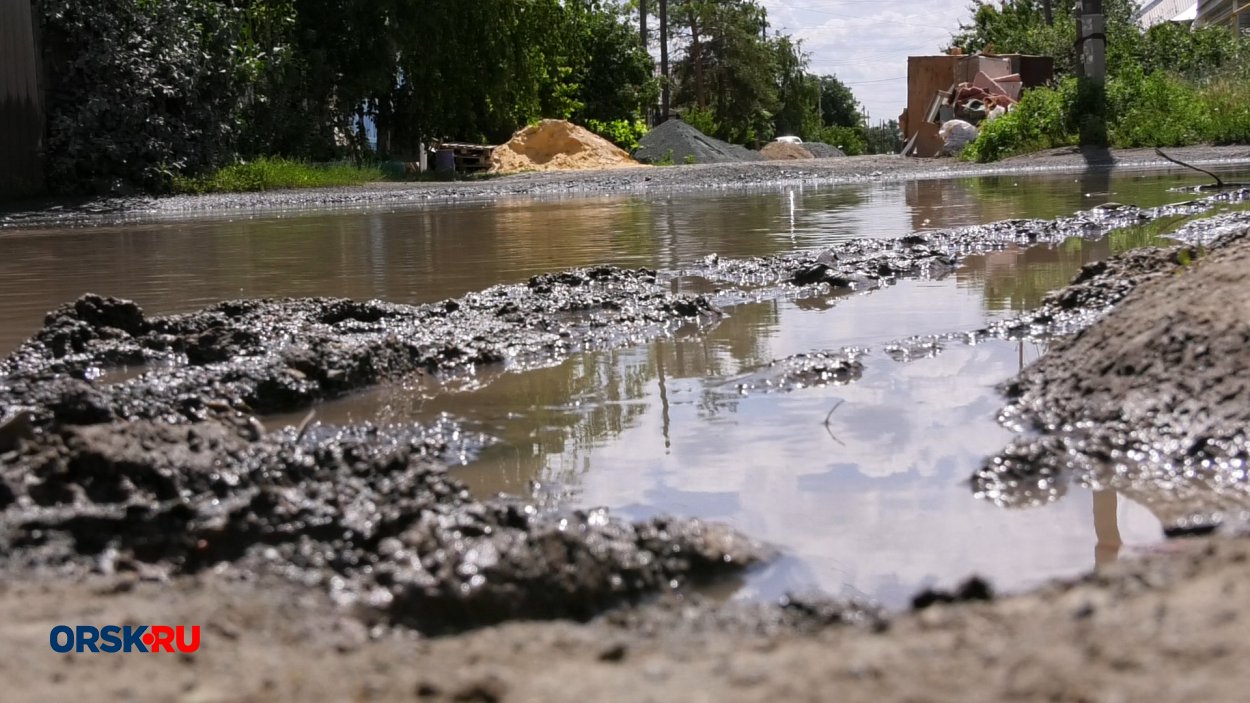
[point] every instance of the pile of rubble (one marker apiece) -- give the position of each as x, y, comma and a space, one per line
949, 97
967, 105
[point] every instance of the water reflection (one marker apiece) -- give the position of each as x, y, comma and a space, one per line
872, 502
1017, 278
427, 253
1107, 528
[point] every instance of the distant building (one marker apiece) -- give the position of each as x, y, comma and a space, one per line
1154, 12
1234, 14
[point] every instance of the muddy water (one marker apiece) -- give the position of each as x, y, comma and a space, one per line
423, 254
867, 500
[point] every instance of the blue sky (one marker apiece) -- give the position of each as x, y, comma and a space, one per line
865, 43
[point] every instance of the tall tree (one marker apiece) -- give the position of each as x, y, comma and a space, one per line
729, 66
798, 91
838, 106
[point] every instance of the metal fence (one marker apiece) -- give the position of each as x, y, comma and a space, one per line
21, 114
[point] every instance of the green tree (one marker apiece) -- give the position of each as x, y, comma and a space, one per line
729, 65
616, 80
798, 91
838, 106
885, 138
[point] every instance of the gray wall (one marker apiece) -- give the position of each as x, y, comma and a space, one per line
21, 115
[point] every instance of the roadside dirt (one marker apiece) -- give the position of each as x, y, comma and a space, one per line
1152, 400
1164, 629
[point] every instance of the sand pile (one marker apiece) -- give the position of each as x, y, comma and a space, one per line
679, 142
784, 151
557, 145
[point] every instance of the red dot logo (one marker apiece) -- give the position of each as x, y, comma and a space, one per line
149, 639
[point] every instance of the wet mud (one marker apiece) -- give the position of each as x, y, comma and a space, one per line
369, 514
808, 370
170, 471
1151, 401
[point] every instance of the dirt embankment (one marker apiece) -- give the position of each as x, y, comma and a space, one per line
1153, 401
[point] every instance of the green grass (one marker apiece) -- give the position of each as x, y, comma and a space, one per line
276, 173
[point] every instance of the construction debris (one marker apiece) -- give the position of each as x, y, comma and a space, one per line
956, 134
558, 145
964, 89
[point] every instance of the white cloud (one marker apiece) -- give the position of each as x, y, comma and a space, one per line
866, 43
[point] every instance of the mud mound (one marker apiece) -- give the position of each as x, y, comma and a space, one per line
821, 150
1153, 400
810, 370
282, 355
784, 151
171, 472
557, 145
678, 142
370, 513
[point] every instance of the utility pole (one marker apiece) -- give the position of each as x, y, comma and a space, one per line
1091, 32
1047, 12
664, 95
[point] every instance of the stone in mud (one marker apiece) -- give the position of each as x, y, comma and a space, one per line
807, 370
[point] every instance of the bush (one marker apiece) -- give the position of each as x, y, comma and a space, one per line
702, 120
623, 133
1224, 100
849, 139
142, 90
1158, 109
1043, 119
1226, 103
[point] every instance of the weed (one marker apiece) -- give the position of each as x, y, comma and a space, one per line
273, 174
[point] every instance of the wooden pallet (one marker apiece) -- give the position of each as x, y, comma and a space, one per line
470, 158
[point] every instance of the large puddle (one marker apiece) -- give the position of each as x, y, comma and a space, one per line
863, 486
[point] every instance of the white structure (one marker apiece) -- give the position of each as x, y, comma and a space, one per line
1234, 14
1153, 12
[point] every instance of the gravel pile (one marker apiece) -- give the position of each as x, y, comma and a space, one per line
685, 144
821, 150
